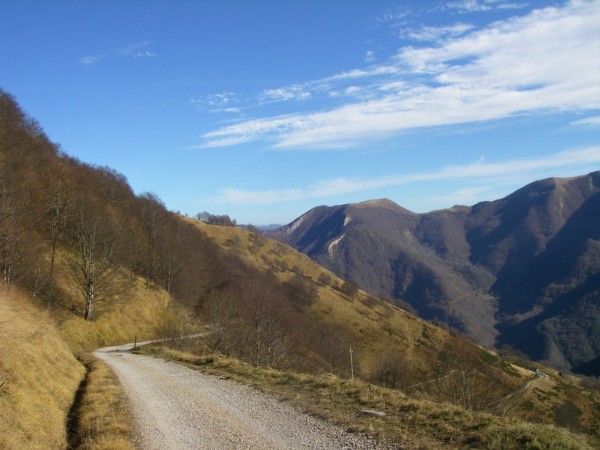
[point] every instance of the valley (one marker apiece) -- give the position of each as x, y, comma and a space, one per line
88, 263
516, 272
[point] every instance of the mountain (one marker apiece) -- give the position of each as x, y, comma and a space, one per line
522, 271
80, 243
86, 263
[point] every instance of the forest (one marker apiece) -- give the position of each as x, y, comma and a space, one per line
75, 236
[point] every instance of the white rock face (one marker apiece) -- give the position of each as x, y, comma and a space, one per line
333, 245
294, 225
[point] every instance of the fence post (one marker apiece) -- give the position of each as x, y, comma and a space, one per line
351, 364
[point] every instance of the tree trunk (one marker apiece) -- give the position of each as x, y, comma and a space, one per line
89, 301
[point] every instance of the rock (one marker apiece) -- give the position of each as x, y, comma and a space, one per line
370, 412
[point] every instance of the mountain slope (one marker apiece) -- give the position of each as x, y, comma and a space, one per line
521, 271
267, 304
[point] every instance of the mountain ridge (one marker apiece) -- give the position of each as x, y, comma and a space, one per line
530, 258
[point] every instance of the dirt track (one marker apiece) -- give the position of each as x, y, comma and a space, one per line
179, 408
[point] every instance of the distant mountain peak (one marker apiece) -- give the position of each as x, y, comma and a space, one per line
380, 203
522, 270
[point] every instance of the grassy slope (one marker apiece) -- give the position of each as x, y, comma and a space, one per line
408, 422
103, 415
373, 327
41, 376
134, 317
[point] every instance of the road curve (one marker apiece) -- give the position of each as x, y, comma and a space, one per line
179, 408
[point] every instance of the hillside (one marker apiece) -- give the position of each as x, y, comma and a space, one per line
397, 349
523, 271
86, 262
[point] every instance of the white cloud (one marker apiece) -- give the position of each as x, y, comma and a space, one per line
295, 92
369, 72
572, 160
538, 63
91, 59
467, 196
483, 5
437, 33
221, 99
469, 5
592, 121
144, 54
392, 15
133, 48
222, 102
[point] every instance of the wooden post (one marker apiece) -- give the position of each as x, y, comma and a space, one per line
351, 364
134, 342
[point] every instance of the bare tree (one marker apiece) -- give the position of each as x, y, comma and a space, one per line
461, 377
222, 312
332, 348
267, 342
393, 370
11, 233
58, 221
93, 266
216, 219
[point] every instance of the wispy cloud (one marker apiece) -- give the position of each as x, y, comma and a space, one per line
592, 121
135, 50
537, 63
370, 56
90, 59
144, 54
467, 196
483, 5
295, 92
437, 33
217, 103
500, 172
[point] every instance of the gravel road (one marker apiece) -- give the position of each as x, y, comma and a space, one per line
180, 408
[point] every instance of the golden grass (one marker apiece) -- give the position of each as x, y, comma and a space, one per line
136, 316
103, 417
373, 328
40, 376
370, 326
408, 422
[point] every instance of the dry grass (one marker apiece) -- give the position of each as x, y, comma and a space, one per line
134, 317
412, 423
40, 376
373, 328
370, 326
103, 419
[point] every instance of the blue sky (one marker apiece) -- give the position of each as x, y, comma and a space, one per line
265, 109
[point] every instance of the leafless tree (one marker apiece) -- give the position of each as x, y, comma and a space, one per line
58, 220
12, 239
461, 377
93, 265
222, 313
393, 370
266, 339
